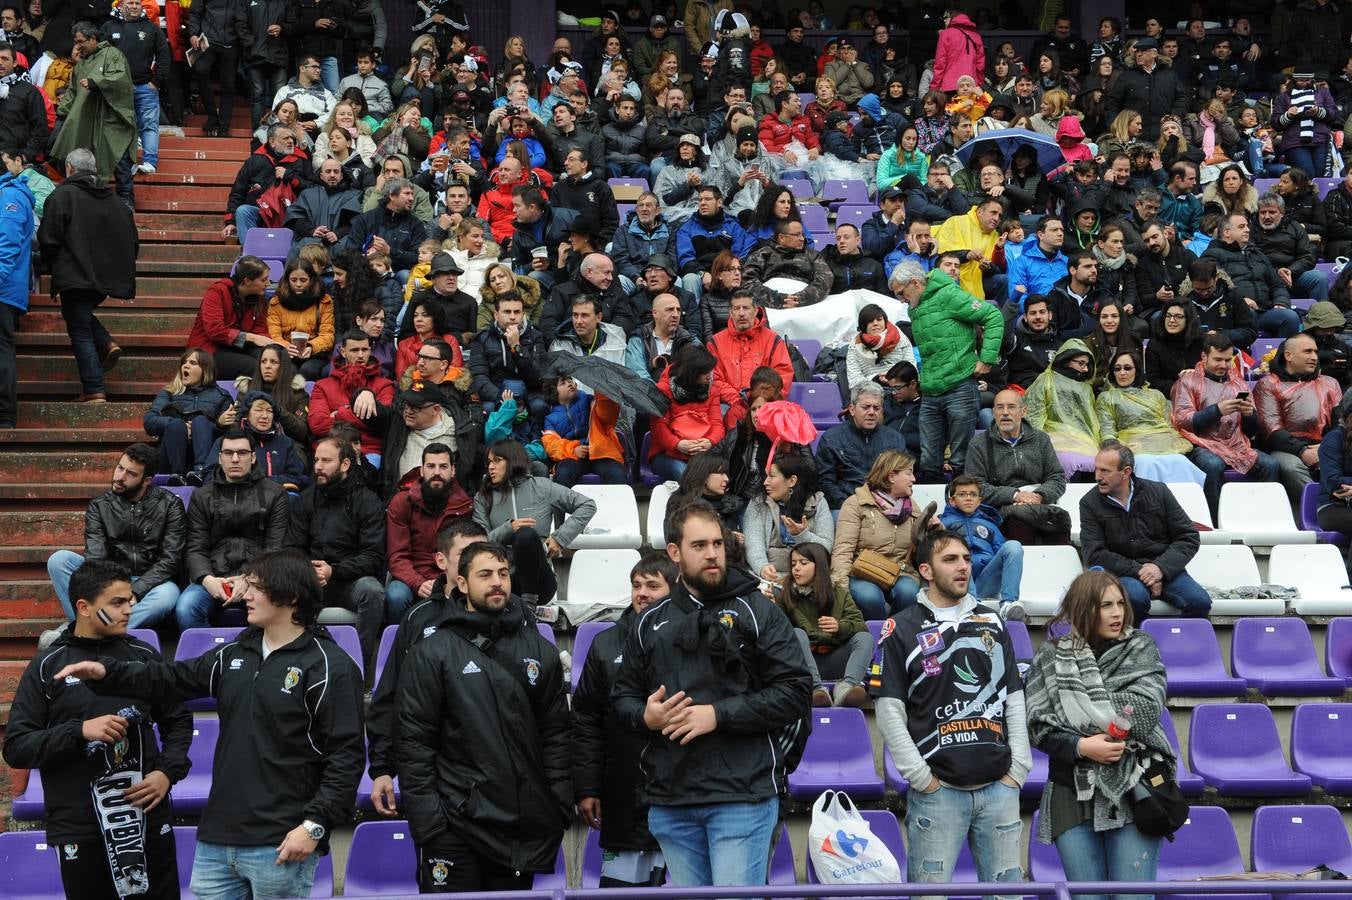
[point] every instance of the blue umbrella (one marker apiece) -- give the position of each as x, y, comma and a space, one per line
1008, 140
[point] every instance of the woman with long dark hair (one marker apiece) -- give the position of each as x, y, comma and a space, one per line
301, 306
789, 512
828, 624
354, 281
276, 376
1104, 675
776, 204
517, 510
1134, 413
1175, 345
429, 321
1110, 337
706, 478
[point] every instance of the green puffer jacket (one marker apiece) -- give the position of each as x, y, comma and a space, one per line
944, 323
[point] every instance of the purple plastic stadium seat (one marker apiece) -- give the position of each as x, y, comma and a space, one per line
591, 860
1321, 734
839, 191
366, 786
149, 635
1323, 186
781, 869
1205, 845
1018, 634
819, 400
1295, 838
885, 828
1264, 185
182, 492
552, 881
855, 213
1192, 658
28, 867
892, 775
1261, 347
345, 636
1036, 782
268, 243
1276, 657
31, 805
809, 349
814, 218
1302, 303
383, 651
800, 187
624, 209
839, 755
192, 644
586, 633
190, 794
381, 860
1235, 748
546, 631
645, 471
640, 183
1309, 518
229, 388
1191, 785
1338, 648
1044, 862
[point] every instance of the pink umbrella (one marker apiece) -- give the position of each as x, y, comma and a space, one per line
784, 421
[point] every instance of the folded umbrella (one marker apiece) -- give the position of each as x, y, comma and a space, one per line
1009, 140
612, 380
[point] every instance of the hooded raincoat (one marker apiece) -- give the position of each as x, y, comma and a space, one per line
1062, 406
1141, 418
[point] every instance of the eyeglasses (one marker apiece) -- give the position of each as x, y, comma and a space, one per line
1174, 317
967, 495
312, 66
1127, 368
430, 358
236, 454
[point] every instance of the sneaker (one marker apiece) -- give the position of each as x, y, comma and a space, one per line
146, 169
1013, 611
820, 697
175, 481
848, 694
194, 478
49, 637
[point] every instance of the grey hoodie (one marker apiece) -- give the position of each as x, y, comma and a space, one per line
539, 499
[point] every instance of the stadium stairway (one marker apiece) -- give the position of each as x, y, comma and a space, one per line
61, 454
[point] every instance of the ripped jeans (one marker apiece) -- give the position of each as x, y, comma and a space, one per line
938, 823
1120, 854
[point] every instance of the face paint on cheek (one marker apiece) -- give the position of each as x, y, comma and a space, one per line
104, 617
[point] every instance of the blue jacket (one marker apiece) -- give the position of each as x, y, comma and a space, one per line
981, 529
880, 236
698, 241
845, 454
901, 255
572, 422
16, 240
1035, 271
1184, 212
632, 245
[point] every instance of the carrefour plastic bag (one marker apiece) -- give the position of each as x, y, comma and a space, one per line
842, 848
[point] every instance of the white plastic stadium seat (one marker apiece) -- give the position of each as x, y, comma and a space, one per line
615, 525
1320, 575
924, 493
657, 514
1047, 572
1070, 502
1190, 496
1260, 514
1231, 566
598, 580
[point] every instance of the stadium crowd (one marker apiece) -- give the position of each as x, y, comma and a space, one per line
508, 278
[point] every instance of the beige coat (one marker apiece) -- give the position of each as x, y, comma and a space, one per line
862, 526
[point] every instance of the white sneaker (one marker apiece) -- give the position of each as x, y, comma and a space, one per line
49, 637
1013, 611
146, 168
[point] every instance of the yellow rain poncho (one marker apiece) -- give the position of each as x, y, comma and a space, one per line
964, 233
1064, 407
1141, 418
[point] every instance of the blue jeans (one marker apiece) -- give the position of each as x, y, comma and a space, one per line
1213, 467
717, 844
570, 471
1181, 592
246, 218
1121, 854
193, 607
180, 454
668, 467
157, 604
1001, 576
629, 170
88, 338
1280, 321
937, 824
947, 420
222, 872
1311, 159
398, 598
657, 165
1314, 284
874, 605
148, 122
328, 73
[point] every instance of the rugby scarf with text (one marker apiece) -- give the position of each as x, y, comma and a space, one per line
123, 825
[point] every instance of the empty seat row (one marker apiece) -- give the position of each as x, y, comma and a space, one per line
1273, 656
1235, 749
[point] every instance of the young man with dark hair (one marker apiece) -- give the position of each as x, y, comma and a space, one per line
950, 706
355, 393
136, 524
606, 774
482, 713
712, 673
413, 520
290, 750
105, 779
418, 623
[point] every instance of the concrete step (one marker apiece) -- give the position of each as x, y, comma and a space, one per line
68, 388
133, 367
204, 150
64, 465
180, 300
119, 321
153, 286
41, 528
11, 555
212, 253
193, 141
182, 198
172, 171
55, 494
28, 598
128, 341
89, 439
199, 178
182, 228
58, 414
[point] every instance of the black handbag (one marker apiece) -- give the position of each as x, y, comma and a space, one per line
1157, 804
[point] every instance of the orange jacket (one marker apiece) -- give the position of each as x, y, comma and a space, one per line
602, 441
739, 354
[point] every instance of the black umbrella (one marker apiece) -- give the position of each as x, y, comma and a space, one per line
613, 380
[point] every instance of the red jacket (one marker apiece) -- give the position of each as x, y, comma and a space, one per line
223, 315
740, 353
775, 135
816, 113
411, 532
332, 401
686, 421
495, 208
960, 52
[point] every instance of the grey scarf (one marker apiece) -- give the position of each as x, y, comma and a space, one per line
1069, 690
1111, 263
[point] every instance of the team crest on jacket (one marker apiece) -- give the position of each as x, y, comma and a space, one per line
532, 670
440, 871
291, 680
72, 851
727, 618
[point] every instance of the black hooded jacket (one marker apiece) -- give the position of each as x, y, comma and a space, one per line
228, 522
735, 650
1028, 353
88, 239
342, 524
483, 743
45, 732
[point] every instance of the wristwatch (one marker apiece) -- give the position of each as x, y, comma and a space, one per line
314, 830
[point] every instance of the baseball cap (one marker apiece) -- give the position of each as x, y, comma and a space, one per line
422, 393
689, 139
657, 21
